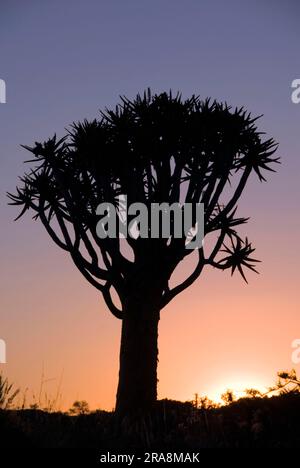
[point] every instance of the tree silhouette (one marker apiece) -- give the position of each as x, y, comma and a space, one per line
79, 407
155, 148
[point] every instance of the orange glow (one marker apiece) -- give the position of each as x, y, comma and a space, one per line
218, 334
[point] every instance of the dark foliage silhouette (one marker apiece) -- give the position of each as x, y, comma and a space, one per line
7, 393
170, 426
153, 149
257, 420
79, 407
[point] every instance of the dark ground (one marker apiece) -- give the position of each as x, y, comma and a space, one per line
248, 422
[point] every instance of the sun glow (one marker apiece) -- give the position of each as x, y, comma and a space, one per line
237, 386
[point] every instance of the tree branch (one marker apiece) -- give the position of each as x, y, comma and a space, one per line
109, 302
186, 283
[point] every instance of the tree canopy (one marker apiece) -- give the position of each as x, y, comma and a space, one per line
153, 149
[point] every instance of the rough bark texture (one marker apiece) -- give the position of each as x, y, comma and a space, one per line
137, 389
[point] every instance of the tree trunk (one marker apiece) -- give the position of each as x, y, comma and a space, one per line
137, 389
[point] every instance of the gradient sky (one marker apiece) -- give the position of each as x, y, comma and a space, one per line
63, 61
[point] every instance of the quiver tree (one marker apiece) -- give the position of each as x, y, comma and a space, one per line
152, 149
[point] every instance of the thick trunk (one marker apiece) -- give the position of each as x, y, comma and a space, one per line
137, 389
